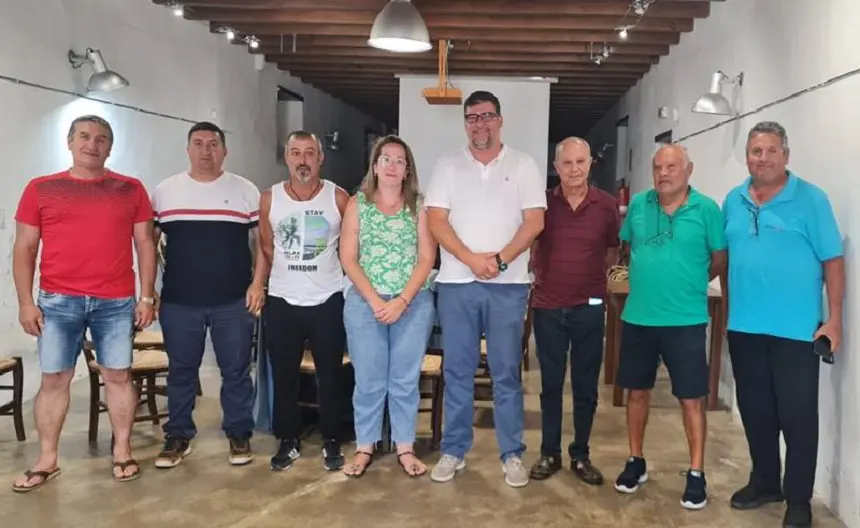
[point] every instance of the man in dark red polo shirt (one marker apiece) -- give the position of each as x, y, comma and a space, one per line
85, 220
578, 244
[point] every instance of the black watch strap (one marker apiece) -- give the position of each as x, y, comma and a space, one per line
502, 266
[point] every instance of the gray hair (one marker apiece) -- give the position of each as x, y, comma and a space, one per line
90, 119
304, 134
570, 140
674, 146
770, 127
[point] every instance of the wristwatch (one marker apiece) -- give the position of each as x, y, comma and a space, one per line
500, 263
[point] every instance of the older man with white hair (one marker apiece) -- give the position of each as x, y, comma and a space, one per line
677, 246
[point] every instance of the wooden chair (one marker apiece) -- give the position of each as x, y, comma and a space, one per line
431, 386
149, 365
14, 408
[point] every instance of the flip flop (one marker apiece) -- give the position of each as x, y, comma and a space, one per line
123, 466
415, 468
363, 469
46, 477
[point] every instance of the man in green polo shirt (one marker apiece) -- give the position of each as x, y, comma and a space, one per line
676, 243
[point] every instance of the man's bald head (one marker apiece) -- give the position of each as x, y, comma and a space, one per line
672, 169
573, 163
572, 142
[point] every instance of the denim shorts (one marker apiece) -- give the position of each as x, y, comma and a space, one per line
67, 317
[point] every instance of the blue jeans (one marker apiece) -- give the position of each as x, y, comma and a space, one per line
67, 317
231, 328
465, 312
387, 361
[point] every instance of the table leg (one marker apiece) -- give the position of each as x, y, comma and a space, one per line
617, 391
609, 343
715, 356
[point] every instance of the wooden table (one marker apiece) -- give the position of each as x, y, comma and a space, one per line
618, 291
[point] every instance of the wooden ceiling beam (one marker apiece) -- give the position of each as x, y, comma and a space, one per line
475, 32
320, 43
617, 8
434, 21
373, 80
455, 66
344, 53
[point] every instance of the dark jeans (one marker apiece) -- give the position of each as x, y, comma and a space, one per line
287, 328
231, 328
578, 329
776, 381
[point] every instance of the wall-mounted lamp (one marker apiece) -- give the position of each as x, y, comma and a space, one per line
102, 79
332, 141
399, 28
714, 102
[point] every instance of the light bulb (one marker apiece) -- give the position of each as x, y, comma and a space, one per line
178, 11
623, 34
230, 34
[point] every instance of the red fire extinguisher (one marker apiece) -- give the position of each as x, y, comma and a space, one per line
623, 198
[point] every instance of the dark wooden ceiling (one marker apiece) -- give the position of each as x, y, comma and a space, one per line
324, 43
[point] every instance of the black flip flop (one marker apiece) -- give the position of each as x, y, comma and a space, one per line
363, 469
414, 467
123, 466
46, 477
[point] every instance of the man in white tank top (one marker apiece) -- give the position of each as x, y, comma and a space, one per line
300, 223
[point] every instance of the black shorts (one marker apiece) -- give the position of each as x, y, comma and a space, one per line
682, 348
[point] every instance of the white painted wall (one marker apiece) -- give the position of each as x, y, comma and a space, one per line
782, 47
433, 130
175, 67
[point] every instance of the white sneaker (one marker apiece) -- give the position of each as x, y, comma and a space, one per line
516, 476
446, 469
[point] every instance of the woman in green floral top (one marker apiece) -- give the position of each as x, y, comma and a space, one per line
387, 252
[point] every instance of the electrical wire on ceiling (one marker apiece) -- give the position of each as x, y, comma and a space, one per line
795, 95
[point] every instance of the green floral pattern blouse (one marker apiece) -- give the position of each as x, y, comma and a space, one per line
387, 246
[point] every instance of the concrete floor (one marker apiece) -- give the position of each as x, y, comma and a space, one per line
206, 492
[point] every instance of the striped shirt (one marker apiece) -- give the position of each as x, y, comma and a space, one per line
207, 225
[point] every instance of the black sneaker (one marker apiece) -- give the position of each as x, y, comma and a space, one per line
797, 515
750, 497
545, 467
696, 493
635, 473
240, 451
288, 452
175, 449
332, 455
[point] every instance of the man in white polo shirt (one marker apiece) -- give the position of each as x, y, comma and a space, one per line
485, 231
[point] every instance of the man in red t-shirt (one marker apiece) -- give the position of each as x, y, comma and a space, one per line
572, 254
85, 219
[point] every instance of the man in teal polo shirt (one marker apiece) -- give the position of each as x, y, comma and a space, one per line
677, 246
784, 246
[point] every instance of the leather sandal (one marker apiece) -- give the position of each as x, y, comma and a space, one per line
122, 467
414, 470
46, 477
361, 469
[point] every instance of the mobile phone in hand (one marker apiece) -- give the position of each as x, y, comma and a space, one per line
823, 348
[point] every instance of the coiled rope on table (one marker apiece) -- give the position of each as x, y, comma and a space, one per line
617, 273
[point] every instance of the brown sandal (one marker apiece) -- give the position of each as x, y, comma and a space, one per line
414, 470
361, 469
46, 477
123, 466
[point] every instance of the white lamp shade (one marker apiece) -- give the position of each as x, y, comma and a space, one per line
106, 81
400, 28
712, 103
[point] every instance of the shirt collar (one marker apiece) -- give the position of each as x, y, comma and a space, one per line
694, 198
786, 194
591, 196
468, 152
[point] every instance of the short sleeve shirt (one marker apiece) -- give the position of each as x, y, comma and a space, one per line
670, 259
207, 225
776, 252
86, 228
485, 207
